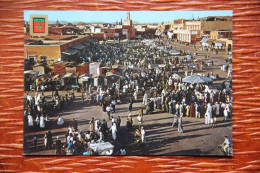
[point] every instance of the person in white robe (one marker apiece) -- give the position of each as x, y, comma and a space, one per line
180, 130
225, 114
145, 99
60, 120
136, 95
30, 121
45, 140
70, 130
217, 106
209, 113
42, 122
114, 130
143, 138
97, 123
139, 120
37, 120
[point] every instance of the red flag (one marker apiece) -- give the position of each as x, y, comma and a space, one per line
38, 25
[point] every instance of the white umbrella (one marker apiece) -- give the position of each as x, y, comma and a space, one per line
197, 79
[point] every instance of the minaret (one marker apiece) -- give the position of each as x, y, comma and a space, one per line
128, 16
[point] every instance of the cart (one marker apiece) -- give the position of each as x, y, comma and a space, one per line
102, 149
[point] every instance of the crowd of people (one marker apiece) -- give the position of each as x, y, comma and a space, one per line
160, 87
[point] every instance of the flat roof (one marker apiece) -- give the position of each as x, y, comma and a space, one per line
52, 42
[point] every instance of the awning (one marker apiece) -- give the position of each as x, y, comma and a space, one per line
57, 76
98, 75
117, 66
108, 74
197, 79
31, 72
70, 52
69, 75
78, 47
161, 65
204, 40
218, 44
106, 67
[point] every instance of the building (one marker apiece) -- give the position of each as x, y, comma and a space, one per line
214, 35
110, 31
51, 48
187, 36
208, 26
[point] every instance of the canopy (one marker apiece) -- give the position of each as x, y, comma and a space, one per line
108, 74
204, 40
31, 72
174, 52
69, 75
101, 146
176, 76
197, 79
162, 65
70, 51
189, 56
218, 44
97, 75
57, 76
79, 47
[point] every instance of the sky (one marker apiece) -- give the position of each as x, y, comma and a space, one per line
113, 16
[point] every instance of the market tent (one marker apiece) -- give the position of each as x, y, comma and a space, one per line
57, 77
161, 65
70, 52
197, 79
69, 75
218, 44
189, 56
85, 77
176, 76
204, 40
108, 74
78, 47
174, 52
117, 66
31, 72
98, 75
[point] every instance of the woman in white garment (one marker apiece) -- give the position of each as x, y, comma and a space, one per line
30, 122
225, 114
45, 140
140, 120
143, 135
114, 130
42, 122
136, 95
145, 99
60, 120
209, 111
97, 124
180, 125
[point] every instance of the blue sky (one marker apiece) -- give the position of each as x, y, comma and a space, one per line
113, 16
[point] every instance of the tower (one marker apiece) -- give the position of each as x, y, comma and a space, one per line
128, 16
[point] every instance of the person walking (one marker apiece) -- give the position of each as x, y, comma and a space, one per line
143, 137
180, 128
91, 125
108, 109
175, 121
139, 120
114, 130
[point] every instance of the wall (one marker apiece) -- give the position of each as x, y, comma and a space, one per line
50, 51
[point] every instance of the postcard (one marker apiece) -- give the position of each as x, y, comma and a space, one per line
128, 83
